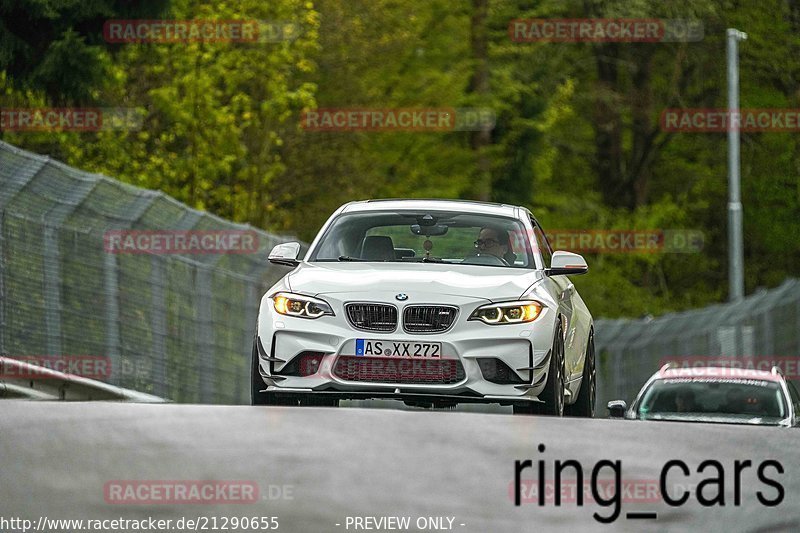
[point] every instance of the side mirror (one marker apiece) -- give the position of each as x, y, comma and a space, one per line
565, 263
617, 408
285, 254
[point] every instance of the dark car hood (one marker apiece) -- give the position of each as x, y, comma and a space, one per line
716, 418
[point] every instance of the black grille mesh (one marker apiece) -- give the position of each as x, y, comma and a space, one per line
372, 317
428, 318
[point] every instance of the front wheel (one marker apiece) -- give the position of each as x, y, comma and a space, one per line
584, 405
553, 393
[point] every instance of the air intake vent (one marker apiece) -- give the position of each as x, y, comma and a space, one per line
372, 317
399, 370
428, 318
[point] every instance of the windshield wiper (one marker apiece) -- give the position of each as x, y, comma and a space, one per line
422, 259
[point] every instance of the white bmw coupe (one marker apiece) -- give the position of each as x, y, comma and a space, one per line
431, 302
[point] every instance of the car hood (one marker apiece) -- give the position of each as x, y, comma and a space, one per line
487, 282
716, 418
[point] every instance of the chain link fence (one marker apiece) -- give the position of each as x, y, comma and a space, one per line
763, 327
177, 325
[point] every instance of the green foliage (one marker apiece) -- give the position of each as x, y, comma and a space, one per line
56, 46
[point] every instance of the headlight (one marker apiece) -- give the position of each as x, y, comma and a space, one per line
301, 306
508, 312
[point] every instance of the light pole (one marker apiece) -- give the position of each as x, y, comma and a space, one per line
735, 239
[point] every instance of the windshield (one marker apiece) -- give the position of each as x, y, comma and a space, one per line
422, 236
745, 398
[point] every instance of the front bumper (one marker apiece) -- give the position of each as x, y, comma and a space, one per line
416, 397
523, 348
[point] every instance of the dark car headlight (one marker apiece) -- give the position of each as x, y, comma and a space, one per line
508, 312
286, 303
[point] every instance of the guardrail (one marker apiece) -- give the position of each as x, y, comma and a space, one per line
23, 380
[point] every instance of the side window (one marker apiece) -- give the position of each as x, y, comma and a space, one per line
542, 244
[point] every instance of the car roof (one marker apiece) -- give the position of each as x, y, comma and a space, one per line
718, 373
432, 204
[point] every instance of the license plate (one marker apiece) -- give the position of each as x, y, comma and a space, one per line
368, 347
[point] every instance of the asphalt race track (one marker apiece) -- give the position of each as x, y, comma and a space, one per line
316, 467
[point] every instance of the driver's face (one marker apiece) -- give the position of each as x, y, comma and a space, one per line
489, 243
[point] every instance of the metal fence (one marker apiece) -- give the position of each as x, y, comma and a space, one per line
762, 327
175, 325
180, 326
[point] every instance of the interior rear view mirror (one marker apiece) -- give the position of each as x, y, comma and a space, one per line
429, 231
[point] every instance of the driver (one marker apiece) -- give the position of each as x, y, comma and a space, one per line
489, 242
494, 241
734, 401
684, 401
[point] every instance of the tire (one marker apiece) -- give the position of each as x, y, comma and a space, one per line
553, 393
586, 402
257, 397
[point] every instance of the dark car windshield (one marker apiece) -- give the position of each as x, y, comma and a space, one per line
746, 398
422, 236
